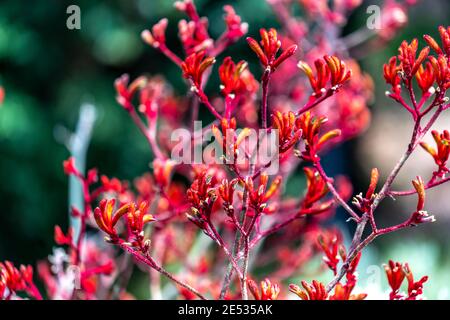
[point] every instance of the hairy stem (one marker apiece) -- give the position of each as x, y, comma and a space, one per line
333, 190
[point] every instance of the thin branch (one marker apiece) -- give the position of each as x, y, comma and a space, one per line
152, 264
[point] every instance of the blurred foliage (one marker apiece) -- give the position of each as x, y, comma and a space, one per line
48, 71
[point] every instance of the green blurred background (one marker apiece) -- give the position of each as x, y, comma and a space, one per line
48, 71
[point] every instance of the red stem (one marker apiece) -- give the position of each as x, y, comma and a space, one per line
265, 93
152, 264
335, 193
204, 99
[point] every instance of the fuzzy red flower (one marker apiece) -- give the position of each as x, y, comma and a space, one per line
226, 191
425, 77
107, 218
113, 185
13, 280
441, 71
316, 190
201, 195
391, 75
415, 288
330, 243
420, 215
235, 27
364, 203
137, 218
343, 292
310, 127
2, 95
63, 239
70, 168
288, 133
193, 34
338, 70
314, 291
319, 82
126, 91
407, 57
230, 77
396, 272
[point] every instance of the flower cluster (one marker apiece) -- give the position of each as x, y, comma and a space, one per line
2, 94
259, 196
